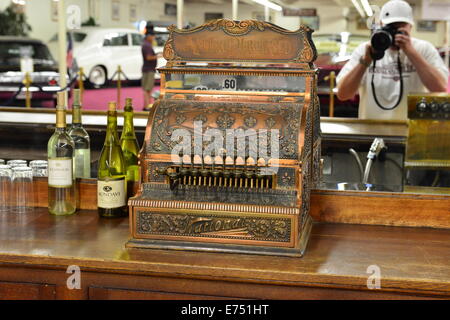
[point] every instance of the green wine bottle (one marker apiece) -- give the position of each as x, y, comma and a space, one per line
81, 138
60, 150
130, 147
111, 184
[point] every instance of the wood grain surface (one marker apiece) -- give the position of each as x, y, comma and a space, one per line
38, 247
354, 207
381, 208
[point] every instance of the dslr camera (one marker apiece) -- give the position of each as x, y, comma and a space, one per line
382, 38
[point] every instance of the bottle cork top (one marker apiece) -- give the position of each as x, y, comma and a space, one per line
61, 100
112, 106
76, 97
61, 109
128, 104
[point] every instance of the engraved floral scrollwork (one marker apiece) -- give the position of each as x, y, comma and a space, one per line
250, 121
307, 146
288, 148
286, 179
265, 228
168, 52
168, 116
235, 27
201, 117
152, 172
158, 223
307, 53
157, 146
180, 118
305, 188
225, 121
270, 122
317, 133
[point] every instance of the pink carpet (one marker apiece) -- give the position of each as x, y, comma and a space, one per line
97, 99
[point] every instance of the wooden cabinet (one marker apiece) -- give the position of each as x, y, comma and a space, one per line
26, 291
128, 294
35, 257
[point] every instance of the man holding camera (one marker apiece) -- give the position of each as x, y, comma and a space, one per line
390, 66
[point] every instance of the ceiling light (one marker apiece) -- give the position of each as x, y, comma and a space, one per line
358, 8
269, 4
367, 8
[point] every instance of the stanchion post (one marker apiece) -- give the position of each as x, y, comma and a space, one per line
119, 85
332, 85
332, 78
80, 82
27, 83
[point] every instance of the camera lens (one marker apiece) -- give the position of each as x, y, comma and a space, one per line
381, 40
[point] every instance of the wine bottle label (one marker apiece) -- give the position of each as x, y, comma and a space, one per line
82, 163
60, 172
111, 194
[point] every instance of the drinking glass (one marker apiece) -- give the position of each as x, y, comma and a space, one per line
39, 168
22, 185
5, 187
17, 163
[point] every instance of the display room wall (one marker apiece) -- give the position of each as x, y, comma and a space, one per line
331, 16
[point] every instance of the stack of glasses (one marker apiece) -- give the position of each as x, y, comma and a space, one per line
16, 184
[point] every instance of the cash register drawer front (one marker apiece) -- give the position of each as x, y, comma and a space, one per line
242, 228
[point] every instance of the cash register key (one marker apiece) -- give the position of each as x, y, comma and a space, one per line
446, 107
434, 106
422, 106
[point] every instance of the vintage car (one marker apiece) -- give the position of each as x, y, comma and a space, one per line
101, 50
43, 69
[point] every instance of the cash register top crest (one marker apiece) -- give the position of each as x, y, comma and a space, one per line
225, 40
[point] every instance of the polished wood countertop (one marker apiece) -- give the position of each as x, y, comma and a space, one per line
412, 261
363, 127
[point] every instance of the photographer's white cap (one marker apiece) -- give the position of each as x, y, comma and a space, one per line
396, 11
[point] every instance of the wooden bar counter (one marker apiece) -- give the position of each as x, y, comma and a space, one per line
36, 250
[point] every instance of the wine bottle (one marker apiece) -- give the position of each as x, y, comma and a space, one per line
130, 147
79, 135
61, 180
111, 184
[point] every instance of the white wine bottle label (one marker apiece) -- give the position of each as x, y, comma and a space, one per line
82, 163
60, 172
111, 194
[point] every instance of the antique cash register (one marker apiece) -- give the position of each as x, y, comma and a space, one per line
232, 146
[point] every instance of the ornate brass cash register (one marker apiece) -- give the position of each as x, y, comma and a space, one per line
232, 146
